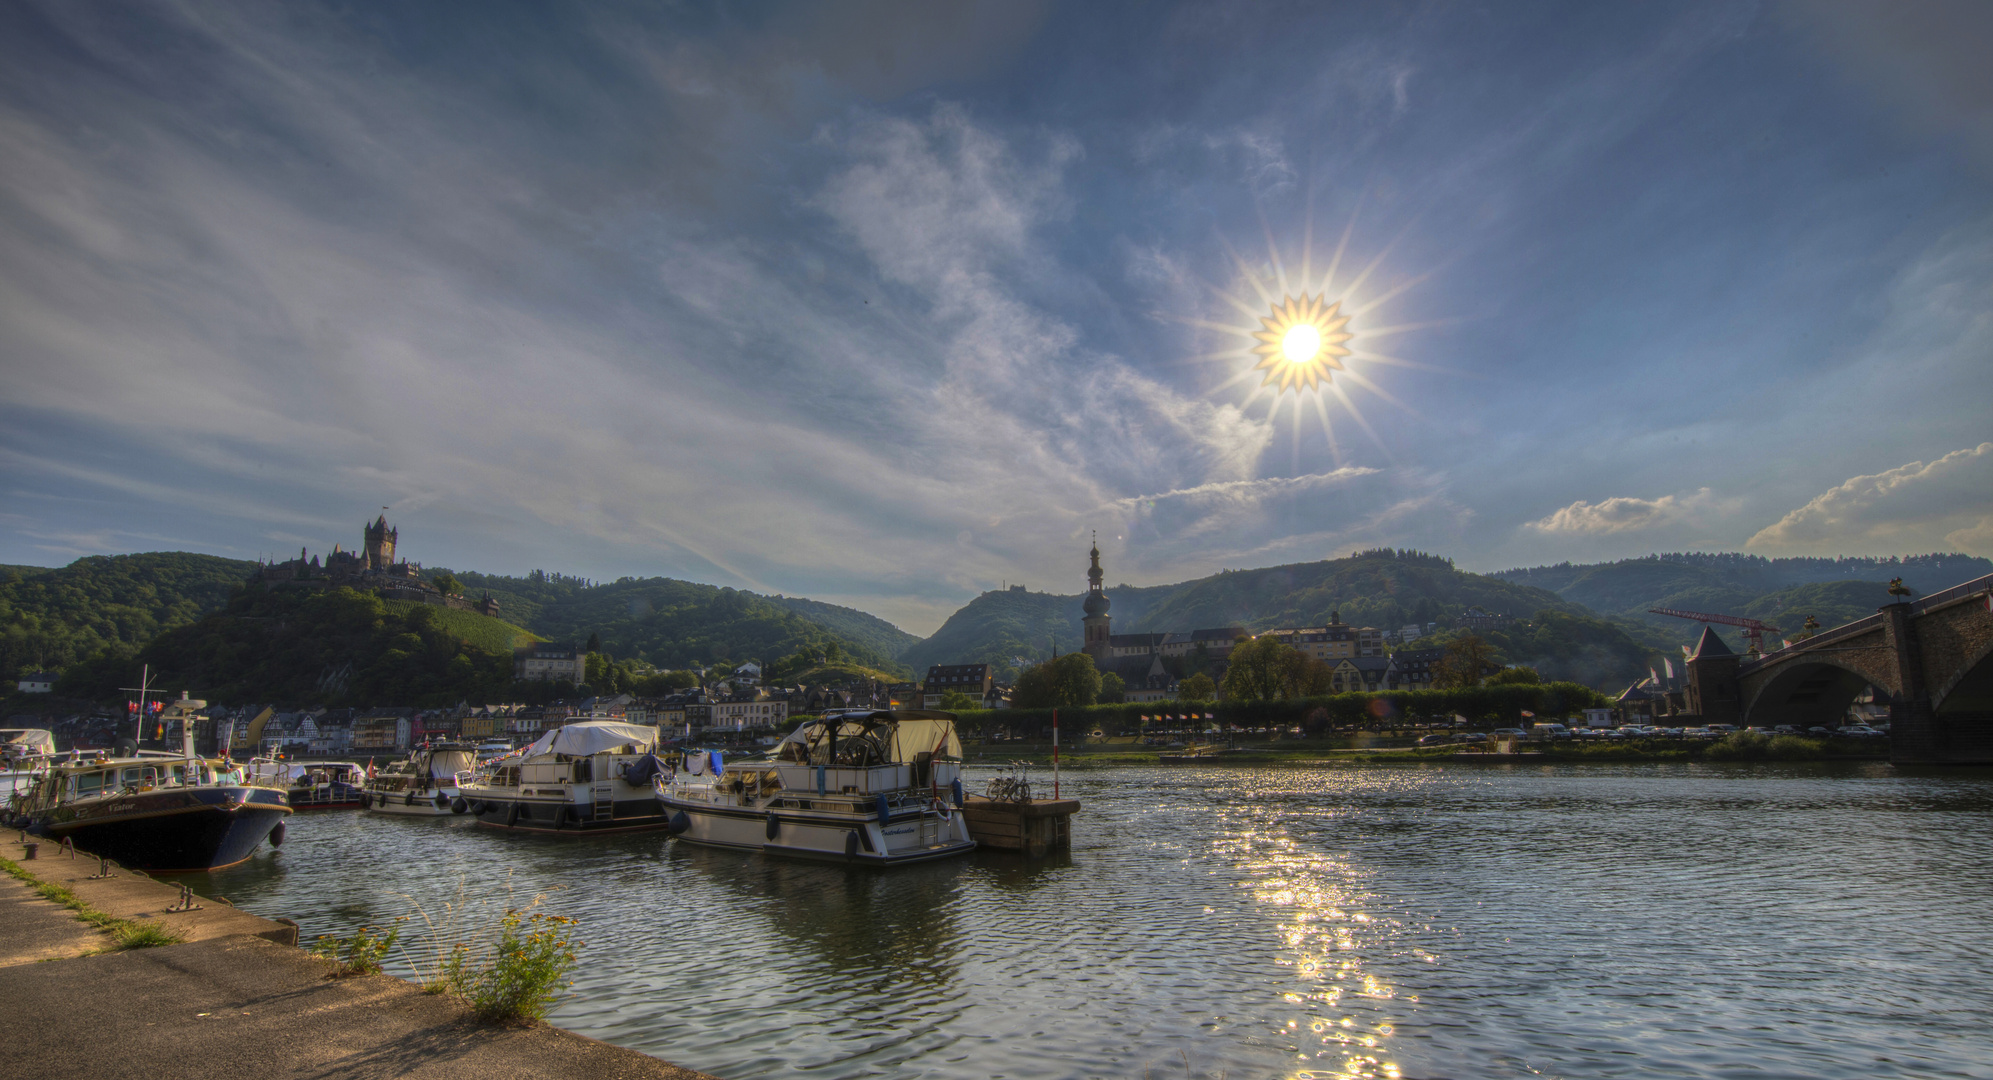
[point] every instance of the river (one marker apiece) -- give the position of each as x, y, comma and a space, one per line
1272, 922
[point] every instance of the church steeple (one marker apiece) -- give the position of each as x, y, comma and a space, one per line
1096, 621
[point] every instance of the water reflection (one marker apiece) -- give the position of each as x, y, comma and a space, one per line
1277, 923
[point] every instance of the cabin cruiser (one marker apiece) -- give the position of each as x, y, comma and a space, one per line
315, 785
424, 783
590, 776
24, 754
869, 787
153, 810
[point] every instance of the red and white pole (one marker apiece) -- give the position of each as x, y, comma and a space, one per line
1055, 753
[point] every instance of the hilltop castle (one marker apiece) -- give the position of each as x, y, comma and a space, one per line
373, 567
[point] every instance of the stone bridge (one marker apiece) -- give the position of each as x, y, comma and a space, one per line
1932, 659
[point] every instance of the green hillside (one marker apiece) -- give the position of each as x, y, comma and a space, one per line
50, 619
1779, 591
684, 624
483, 631
1386, 589
336, 647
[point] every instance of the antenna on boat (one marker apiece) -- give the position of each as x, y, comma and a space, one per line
143, 688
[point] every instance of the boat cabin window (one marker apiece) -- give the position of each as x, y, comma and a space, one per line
88, 784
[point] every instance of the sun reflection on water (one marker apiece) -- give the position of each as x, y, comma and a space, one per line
1315, 901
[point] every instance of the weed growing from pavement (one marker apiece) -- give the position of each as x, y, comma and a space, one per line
360, 954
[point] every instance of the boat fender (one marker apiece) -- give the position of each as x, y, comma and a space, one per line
511, 815
885, 812
941, 811
277, 835
459, 804
956, 787
678, 823
572, 813
851, 844
443, 802
774, 826
477, 807
408, 799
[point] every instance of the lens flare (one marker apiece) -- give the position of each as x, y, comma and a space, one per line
1302, 342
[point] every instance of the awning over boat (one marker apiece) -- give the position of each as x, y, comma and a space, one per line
593, 737
34, 739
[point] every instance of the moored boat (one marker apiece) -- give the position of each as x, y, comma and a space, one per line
314, 785
870, 787
24, 754
588, 777
154, 811
423, 784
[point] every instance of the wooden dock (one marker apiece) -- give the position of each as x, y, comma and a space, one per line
1034, 827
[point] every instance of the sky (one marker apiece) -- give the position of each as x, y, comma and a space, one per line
886, 304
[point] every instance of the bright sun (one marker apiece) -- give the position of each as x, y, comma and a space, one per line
1302, 343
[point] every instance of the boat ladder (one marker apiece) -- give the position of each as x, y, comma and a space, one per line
605, 802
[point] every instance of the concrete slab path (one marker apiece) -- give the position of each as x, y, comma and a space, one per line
233, 1004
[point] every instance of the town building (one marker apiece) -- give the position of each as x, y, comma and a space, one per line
975, 680
1415, 667
547, 661
739, 712
41, 682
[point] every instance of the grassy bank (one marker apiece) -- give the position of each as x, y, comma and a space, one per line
125, 933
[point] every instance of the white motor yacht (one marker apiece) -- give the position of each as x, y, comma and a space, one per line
590, 776
24, 753
870, 787
423, 784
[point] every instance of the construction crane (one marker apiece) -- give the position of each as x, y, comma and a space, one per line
1754, 631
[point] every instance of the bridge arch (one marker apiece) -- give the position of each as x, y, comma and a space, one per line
1806, 692
1970, 689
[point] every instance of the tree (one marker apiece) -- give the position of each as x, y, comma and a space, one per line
957, 701
1198, 687
1463, 665
594, 642
1264, 669
1067, 682
1113, 689
832, 653
1515, 676
445, 582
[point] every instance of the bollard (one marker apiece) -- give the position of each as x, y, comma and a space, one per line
28, 851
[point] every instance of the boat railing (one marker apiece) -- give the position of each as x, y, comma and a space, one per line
864, 780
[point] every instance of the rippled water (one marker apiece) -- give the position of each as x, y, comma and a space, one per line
1528, 921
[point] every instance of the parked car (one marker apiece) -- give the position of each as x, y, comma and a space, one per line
1437, 738
1550, 731
1861, 731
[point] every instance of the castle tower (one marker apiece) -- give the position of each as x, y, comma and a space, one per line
1096, 621
380, 544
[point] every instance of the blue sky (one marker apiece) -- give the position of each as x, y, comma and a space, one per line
886, 303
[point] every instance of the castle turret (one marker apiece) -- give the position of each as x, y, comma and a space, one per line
1096, 621
380, 544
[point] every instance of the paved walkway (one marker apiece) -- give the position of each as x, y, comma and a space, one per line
231, 1002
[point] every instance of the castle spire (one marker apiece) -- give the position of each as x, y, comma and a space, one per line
1096, 622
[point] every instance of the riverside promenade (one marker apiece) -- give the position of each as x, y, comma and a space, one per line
235, 999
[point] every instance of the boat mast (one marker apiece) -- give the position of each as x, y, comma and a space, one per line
143, 688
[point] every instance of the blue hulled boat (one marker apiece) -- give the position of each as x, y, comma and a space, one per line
153, 811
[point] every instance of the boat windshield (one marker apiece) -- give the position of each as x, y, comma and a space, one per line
877, 738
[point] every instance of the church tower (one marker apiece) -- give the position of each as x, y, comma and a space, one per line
380, 544
1096, 620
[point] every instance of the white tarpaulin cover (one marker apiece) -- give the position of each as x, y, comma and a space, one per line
28, 739
592, 737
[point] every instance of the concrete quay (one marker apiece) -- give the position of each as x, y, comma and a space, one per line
235, 1000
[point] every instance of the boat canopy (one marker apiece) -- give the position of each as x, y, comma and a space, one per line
30, 739
592, 737
878, 737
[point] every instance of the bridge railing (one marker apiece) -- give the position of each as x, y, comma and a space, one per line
1870, 622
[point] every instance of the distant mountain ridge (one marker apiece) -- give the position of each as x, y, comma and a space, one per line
1384, 588
1779, 591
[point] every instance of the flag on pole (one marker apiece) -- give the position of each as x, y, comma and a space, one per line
1670, 665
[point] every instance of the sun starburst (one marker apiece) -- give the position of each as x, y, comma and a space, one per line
1302, 342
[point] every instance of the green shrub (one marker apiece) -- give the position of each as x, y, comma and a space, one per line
1794, 748
360, 954
519, 976
1740, 746
142, 935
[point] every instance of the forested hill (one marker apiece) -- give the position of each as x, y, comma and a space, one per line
679, 624
50, 619
1385, 589
1779, 591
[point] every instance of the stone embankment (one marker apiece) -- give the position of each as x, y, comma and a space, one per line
235, 999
